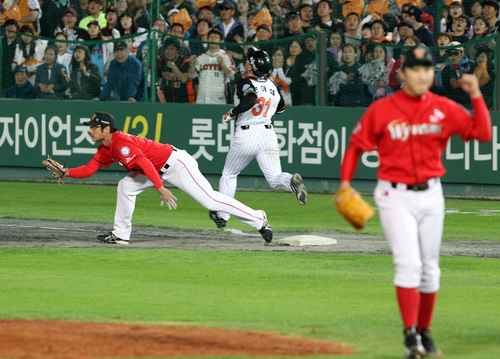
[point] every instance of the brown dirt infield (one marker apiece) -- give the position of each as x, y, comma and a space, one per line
39, 339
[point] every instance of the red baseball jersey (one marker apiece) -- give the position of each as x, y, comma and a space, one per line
411, 133
127, 150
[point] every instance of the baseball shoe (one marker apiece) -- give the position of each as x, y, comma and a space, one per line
220, 222
428, 343
110, 238
299, 189
266, 230
413, 342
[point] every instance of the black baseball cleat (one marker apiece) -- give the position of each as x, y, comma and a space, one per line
110, 238
298, 188
220, 222
266, 230
413, 342
430, 349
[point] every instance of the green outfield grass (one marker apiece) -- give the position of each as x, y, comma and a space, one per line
347, 298
473, 220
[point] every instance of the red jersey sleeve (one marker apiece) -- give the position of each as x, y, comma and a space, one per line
364, 133
150, 171
101, 159
474, 127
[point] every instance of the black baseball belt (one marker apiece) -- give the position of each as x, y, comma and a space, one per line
246, 127
414, 187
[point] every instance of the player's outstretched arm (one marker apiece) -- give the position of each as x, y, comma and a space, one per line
349, 164
481, 129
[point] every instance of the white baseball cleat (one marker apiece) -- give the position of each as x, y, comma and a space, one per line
266, 230
298, 188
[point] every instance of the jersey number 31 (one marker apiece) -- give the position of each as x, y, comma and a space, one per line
261, 103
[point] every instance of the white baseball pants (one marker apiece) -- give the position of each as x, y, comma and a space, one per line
255, 142
184, 174
413, 225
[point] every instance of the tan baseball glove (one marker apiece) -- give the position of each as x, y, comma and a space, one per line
352, 207
55, 168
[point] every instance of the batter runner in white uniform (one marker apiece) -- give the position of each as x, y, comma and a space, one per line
152, 163
257, 99
410, 129
212, 68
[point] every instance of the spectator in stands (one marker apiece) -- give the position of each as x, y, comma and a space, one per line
212, 68
206, 13
366, 31
22, 87
481, 30
304, 73
141, 14
420, 30
352, 22
63, 55
125, 77
121, 7
85, 81
243, 10
440, 58
279, 74
110, 31
178, 30
455, 10
324, 12
9, 44
490, 12
444, 20
476, 10
485, 72
49, 23
100, 54
460, 29
49, 79
30, 12
405, 29
278, 25
457, 65
350, 93
177, 5
294, 24
229, 25
170, 16
306, 15
95, 9
128, 26
173, 74
295, 49
29, 51
336, 45
82, 9
69, 20
381, 88
202, 30
258, 5
379, 29
263, 35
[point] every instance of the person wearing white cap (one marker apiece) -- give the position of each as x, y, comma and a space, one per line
175, 5
457, 65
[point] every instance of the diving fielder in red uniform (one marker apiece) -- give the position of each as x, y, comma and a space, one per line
410, 129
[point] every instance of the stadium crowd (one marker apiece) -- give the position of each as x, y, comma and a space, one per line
200, 60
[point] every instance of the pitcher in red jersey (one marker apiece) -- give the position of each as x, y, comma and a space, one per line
410, 130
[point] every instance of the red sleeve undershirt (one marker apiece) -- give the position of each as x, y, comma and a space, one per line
150, 171
350, 162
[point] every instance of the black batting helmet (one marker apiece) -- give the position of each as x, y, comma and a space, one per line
260, 61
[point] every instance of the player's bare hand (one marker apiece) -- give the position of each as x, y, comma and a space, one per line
167, 197
227, 117
345, 184
192, 59
470, 85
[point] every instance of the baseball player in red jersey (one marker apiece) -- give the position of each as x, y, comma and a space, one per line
410, 130
152, 163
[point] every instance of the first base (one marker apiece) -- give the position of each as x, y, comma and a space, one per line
304, 240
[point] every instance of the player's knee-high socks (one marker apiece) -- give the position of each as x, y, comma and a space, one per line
426, 310
409, 303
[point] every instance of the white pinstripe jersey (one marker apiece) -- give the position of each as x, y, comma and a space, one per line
268, 99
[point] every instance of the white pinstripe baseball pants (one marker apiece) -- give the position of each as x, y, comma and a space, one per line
184, 174
255, 142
